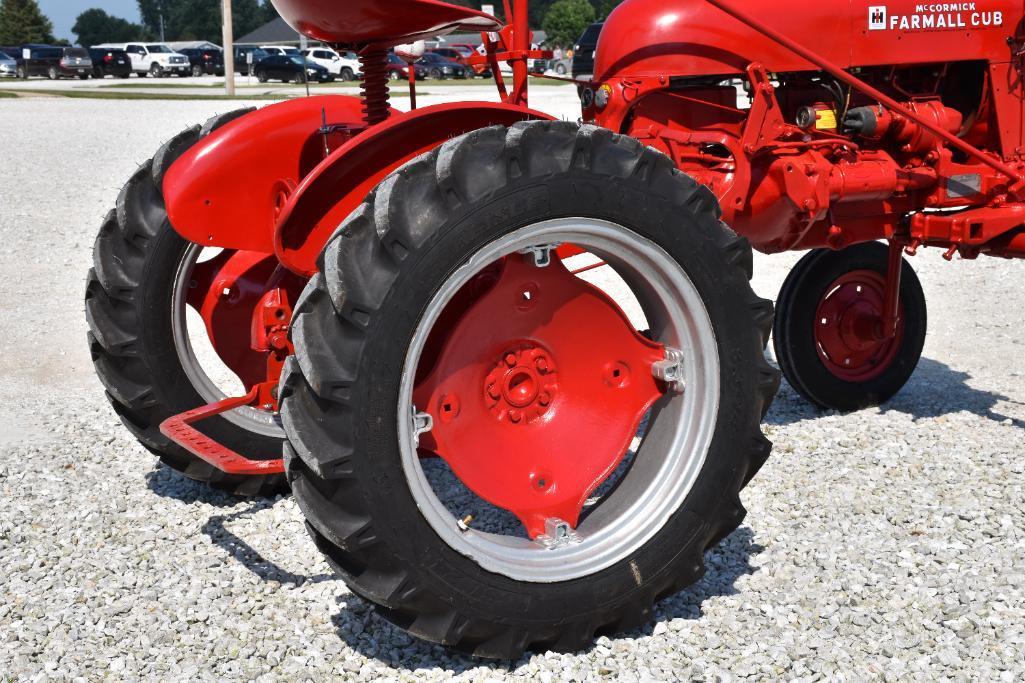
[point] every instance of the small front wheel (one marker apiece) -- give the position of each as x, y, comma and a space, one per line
53, 74
346, 74
156, 71
261, 76
828, 332
197, 71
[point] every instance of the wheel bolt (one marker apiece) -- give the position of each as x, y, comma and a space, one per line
515, 416
493, 391
541, 364
510, 359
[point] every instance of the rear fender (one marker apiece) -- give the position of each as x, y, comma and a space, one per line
227, 189
342, 181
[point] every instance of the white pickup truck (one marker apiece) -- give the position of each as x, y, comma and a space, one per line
155, 59
345, 66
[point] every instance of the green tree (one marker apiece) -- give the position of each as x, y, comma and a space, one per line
199, 19
566, 21
604, 7
21, 21
94, 26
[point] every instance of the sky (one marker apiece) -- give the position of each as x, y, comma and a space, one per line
64, 12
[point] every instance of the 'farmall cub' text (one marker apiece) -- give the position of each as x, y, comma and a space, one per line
935, 16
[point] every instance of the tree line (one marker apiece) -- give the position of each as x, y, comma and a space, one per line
22, 21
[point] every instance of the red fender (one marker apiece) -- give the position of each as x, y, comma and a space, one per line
227, 189
340, 183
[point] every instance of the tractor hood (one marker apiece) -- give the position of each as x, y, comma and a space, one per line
694, 38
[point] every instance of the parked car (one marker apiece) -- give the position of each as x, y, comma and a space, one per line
109, 61
583, 52
11, 51
54, 62
154, 59
209, 61
460, 53
399, 70
281, 50
345, 66
244, 63
290, 68
439, 67
8, 66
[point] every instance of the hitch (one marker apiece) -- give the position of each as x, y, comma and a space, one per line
179, 429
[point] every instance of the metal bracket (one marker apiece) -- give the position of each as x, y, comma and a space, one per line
670, 370
558, 534
422, 423
540, 256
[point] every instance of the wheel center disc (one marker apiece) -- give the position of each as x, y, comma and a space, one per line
538, 392
847, 327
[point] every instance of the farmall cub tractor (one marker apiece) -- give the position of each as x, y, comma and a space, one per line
514, 364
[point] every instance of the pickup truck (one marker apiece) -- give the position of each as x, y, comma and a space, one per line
155, 59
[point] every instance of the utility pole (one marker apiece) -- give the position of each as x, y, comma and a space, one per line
229, 49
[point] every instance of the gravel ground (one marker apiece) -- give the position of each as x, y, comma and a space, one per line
887, 543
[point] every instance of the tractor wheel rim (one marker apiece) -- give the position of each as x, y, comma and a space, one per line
846, 321
249, 418
680, 426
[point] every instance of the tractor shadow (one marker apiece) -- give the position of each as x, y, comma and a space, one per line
934, 390
364, 631
216, 528
168, 483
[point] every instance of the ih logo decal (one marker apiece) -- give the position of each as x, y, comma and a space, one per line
877, 18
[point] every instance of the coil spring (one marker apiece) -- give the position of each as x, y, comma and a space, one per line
374, 88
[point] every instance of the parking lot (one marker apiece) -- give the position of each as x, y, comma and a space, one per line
884, 544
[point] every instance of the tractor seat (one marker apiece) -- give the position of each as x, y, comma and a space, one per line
384, 23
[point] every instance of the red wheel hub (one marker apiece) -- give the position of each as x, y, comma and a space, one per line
537, 392
243, 298
848, 327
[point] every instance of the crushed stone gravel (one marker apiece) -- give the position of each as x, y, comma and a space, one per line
884, 544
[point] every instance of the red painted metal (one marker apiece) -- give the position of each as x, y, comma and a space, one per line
338, 185
537, 391
685, 38
243, 297
849, 331
356, 23
227, 189
180, 430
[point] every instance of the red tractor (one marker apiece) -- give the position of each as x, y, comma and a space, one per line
514, 364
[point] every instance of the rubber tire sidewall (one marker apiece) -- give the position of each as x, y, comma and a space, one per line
794, 338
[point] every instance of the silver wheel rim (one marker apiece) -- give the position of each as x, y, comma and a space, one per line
672, 453
248, 418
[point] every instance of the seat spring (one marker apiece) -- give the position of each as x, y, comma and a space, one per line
374, 88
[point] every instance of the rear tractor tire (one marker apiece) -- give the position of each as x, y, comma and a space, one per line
441, 270
827, 333
131, 294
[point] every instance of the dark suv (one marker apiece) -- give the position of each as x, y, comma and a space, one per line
209, 62
243, 65
583, 52
110, 62
55, 62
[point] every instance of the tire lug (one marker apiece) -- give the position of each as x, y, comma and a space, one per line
422, 423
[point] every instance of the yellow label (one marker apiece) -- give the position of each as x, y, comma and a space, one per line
825, 119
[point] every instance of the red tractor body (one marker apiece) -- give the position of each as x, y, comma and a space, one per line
790, 172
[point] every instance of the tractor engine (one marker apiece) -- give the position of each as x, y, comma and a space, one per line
801, 159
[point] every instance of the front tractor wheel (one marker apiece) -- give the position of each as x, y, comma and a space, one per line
828, 334
170, 328
527, 389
